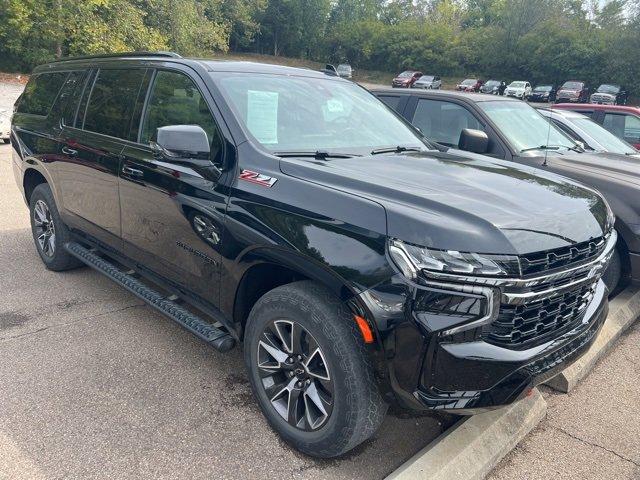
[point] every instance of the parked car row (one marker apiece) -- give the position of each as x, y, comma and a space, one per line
431, 258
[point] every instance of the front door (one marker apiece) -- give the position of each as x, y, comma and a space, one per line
172, 213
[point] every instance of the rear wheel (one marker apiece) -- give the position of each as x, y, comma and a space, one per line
49, 233
310, 372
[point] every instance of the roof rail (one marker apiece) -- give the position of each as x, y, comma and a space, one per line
120, 54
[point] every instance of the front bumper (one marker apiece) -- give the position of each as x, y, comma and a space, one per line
495, 376
457, 358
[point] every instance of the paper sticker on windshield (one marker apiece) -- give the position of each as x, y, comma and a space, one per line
335, 106
262, 115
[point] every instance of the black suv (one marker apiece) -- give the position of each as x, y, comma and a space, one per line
293, 212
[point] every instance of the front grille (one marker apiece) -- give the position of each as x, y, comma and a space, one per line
522, 326
561, 257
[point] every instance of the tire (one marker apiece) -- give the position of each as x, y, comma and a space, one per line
45, 218
613, 273
354, 407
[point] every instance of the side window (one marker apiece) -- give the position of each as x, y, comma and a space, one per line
175, 100
567, 130
615, 123
443, 121
68, 98
391, 101
112, 101
41, 92
632, 129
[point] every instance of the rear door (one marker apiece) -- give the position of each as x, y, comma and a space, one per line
91, 152
173, 212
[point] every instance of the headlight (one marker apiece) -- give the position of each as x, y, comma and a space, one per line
411, 259
611, 218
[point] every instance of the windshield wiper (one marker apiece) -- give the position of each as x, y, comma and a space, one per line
398, 149
541, 147
575, 148
318, 154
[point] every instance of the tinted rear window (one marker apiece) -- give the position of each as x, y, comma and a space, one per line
41, 92
112, 102
391, 101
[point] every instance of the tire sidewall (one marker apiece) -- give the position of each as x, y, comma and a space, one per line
321, 326
61, 260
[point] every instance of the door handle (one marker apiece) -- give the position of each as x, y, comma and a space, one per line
69, 151
134, 172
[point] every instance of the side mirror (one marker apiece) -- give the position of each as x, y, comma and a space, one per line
475, 141
187, 145
183, 141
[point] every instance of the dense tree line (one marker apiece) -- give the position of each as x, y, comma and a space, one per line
540, 40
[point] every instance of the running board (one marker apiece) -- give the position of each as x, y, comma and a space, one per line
217, 338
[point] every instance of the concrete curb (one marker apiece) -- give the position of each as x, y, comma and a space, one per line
475, 445
623, 311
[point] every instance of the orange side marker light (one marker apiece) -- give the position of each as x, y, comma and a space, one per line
365, 329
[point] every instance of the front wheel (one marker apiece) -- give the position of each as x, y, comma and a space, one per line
310, 372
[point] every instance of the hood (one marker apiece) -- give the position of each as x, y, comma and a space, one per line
603, 95
622, 169
474, 204
569, 91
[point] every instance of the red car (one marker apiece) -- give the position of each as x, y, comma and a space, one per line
470, 85
406, 79
621, 120
573, 91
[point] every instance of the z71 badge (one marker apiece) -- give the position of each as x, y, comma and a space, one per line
258, 178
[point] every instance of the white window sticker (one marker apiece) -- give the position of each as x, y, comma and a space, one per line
262, 115
335, 106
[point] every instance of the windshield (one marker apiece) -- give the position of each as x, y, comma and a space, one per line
492, 83
523, 126
405, 74
469, 81
604, 137
426, 78
542, 88
288, 113
517, 84
572, 86
608, 89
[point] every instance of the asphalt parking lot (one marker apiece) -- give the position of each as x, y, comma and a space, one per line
97, 385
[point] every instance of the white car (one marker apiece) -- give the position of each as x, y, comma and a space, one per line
5, 125
344, 70
591, 136
428, 82
519, 89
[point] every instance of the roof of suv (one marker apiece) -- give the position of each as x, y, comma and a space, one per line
212, 65
474, 97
